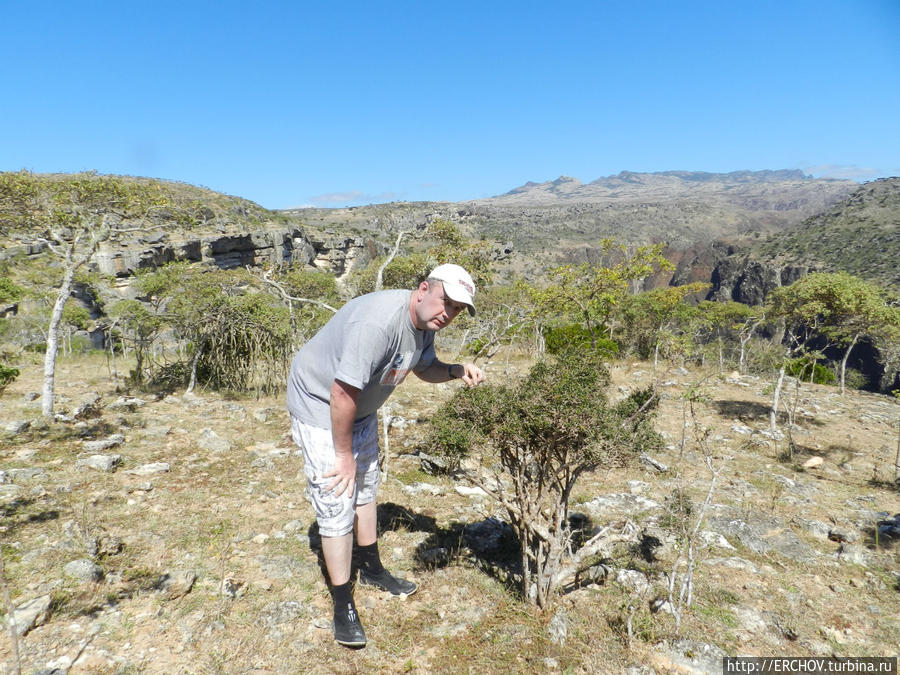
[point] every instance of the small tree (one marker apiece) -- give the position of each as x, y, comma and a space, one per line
78, 214
727, 323
591, 292
532, 441
661, 317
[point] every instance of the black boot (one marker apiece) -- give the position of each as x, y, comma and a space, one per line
372, 573
348, 630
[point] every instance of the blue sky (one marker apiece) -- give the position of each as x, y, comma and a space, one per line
331, 104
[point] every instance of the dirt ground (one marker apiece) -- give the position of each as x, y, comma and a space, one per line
210, 564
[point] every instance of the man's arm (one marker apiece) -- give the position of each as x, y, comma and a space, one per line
343, 413
439, 371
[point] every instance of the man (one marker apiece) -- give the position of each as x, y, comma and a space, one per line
338, 380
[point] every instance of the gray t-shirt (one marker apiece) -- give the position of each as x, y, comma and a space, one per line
371, 344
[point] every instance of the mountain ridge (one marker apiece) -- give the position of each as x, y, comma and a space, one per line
733, 187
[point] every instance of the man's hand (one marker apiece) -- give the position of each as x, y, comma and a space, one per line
472, 374
344, 473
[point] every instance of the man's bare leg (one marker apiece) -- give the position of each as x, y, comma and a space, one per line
337, 552
366, 524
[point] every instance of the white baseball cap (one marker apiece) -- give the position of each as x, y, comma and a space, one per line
458, 284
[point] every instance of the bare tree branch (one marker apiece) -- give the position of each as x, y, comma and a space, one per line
379, 280
266, 277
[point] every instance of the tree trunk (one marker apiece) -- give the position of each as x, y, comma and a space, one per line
773, 413
196, 360
53, 341
379, 279
844, 361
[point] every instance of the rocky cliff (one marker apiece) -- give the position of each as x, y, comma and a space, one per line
335, 253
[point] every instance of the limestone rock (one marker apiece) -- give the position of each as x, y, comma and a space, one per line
104, 443
127, 403
88, 408
17, 426
559, 627
177, 584
31, 614
106, 463
211, 441
149, 469
623, 503
83, 569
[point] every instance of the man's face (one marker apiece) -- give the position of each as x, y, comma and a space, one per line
434, 309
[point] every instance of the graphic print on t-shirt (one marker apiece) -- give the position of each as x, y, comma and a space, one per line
398, 370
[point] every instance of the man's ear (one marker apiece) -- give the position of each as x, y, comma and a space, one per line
423, 289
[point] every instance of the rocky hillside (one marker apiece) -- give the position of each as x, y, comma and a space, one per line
164, 221
171, 535
553, 220
859, 234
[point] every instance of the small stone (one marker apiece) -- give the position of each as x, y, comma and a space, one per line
636, 487
211, 441
17, 426
83, 570
433, 465
31, 614
128, 403
106, 463
653, 463
280, 612
24, 474
104, 444
149, 469
88, 407
813, 462
232, 588
558, 628
293, 526
633, 580
177, 584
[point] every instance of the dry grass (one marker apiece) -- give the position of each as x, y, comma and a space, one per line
240, 514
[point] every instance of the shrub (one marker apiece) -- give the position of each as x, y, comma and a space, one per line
855, 379
9, 292
807, 370
7, 376
540, 436
558, 339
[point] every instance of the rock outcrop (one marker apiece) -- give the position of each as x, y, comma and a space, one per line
748, 280
274, 246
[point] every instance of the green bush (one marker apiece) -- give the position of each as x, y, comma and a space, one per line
7, 376
855, 379
558, 339
9, 292
807, 370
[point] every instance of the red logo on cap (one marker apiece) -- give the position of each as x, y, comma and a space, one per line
467, 286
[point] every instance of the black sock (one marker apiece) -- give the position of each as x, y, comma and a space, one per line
342, 596
369, 560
